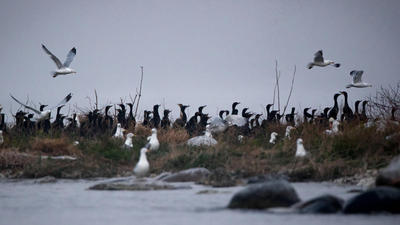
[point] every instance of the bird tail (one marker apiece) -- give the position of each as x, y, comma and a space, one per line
53, 73
337, 65
310, 65
348, 86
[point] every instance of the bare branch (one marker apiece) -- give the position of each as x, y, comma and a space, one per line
140, 91
291, 89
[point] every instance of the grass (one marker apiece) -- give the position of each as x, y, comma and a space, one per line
355, 150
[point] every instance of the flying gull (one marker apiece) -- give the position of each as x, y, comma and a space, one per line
357, 80
63, 69
320, 61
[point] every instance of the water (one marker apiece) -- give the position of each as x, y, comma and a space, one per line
69, 202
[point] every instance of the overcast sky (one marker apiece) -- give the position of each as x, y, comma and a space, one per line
196, 52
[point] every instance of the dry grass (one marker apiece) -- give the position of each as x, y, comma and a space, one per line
54, 147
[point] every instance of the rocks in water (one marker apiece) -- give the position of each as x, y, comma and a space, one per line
45, 180
379, 199
390, 176
324, 204
221, 178
189, 175
136, 185
363, 180
207, 192
277, 193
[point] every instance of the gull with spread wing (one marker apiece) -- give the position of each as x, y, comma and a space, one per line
62, 68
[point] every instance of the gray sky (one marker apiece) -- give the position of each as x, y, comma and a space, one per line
196, 52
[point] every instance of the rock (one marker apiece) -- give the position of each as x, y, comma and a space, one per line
390, 176
379, 199
221, 178
324, 204
207, 192
278, 193
266, 177
136, 185
45, 180
190, 175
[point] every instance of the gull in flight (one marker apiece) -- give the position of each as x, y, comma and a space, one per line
63, 69
45, 114
357, 80
320, 61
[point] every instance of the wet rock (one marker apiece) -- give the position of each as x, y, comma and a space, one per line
324, 204
390, 176
190, 175
278, 193
266, 177
379, 199
221, 178
207, 192
45, 180
136, 185
363, 180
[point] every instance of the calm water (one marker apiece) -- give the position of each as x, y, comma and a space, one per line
69, 202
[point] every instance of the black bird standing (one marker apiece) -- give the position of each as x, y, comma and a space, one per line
347, 112
165, 122
191, 125
181, 122
131, 119
121, 115
335, 109
155, 121
146, 118
234, 110
356, 112
108, 120
290, 117
363, 115
306, 115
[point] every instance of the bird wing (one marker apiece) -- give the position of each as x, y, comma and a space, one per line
28, 107
70, 57
64, 101
318, 56
357, 76
53, 57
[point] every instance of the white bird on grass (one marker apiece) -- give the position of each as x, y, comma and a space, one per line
334, 127
205, 139
287, 132
45, 114
62, 69
300, 150
357, 80
153, 140
119, 132
272, 140
320, 61
237, 120
143, 166
128, 142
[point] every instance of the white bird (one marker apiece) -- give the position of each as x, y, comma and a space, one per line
300, 150
287, 132
1, 137
272, 140
357, 80
218, 125
45, 114
119, 132
334, 125
153, 140
240, 138
62, 69
237, 120
205, 139
76, 143
143, 166
320, 61
128, 141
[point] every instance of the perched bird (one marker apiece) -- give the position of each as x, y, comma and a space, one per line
153, 141
45, 114
334, 127
335, 109
1, 137
165, 122
272, 140
357, 80
288, 131
240, 138
205, 139
320, 61
142, 167
62, 69
218, 124
300, 150
155, 121
363, 115
181, 122
347, 112
234, 110
119, 132
128, 141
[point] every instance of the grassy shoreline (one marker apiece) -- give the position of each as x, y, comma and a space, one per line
355, 150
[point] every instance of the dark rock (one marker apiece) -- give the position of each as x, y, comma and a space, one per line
136, 185
390, 176
324, 204
190, 175
379, 199
278, 193
221, 178
266, 177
